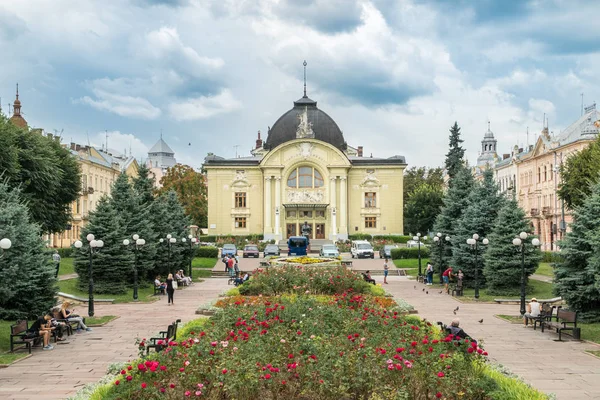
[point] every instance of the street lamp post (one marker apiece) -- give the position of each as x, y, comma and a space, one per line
520, 242
474, 242
440, 243
418, 240
170, 240
137, 244
192, 241
4, 245
94, 246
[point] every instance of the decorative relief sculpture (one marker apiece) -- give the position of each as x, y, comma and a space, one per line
304, 129
370, 180
305, 150
240, 179
305, 196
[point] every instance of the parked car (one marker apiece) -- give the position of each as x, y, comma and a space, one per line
228, 250
271, 250
386, 251
329, 250
362, 249
250, 250
412, 243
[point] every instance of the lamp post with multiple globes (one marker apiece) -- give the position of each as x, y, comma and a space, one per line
191, 242
439, 240
418, 240
137, 242
474, 243
520, 243
169, 241
94, 246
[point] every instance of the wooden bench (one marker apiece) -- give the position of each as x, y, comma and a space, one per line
18, 335
546, 314
158, 290
565, 321
367, 279
158, 343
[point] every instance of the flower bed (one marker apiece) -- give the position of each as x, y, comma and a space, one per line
304, 279
305, 260
297, 346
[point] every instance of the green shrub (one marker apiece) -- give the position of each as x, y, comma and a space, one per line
254, 238
551, 256
207, 252
360, 236
413, 252
393, 238
195, 326
66, 252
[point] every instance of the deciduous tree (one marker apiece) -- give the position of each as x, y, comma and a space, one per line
578, 174
191, 190
423, 206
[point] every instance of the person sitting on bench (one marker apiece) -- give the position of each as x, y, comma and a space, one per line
161, 286
70, 316
367, 276
534, 310
185, 279
41, 328
240, 281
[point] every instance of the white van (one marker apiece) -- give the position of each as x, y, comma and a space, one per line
362, 249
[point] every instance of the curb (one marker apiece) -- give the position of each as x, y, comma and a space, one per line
107, 322
16, 361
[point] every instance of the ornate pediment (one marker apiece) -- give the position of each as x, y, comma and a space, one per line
305, 196
370, 180
240, 179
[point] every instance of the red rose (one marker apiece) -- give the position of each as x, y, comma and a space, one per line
438, 395
224, 371
129, 377
117, 382
441, 374
144, 385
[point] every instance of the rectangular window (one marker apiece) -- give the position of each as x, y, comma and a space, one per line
370, 222
370, 199
320, 214
306, 214
240, 200
240, 222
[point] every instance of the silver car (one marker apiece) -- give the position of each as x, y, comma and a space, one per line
329, 250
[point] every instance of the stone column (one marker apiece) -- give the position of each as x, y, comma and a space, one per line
278, 208
268, 229
343, 203
333, 206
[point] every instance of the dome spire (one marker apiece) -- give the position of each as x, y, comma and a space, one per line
17, 119
304, 63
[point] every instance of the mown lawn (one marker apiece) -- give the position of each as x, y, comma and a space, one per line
589, 331
203, 262
201, 273
66, 267
145, 294
545, 269
98, 321
541, 290
5, 357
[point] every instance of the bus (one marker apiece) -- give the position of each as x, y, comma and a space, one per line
297, 246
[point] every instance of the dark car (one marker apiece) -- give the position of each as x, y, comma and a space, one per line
229, 249
386, 251
272, 250
250, 250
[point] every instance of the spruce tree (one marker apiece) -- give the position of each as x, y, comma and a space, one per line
135, 220
112, 263
479, 217
577, 275
143, 185
455, 156
455, 203
27, 283
502, 269
169, 218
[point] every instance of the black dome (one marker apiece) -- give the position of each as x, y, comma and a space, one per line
323, 126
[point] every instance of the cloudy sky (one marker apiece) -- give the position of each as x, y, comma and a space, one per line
394, 74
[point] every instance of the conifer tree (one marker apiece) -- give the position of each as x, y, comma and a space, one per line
502, 269
111, 264
169, 217
27, 283
577, 275
479, 217
455, 203
143, 185
135, 220
455, 156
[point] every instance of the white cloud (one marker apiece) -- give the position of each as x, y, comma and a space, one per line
121, 143
125, 106
204, 107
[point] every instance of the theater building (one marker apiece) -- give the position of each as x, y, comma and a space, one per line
305, 171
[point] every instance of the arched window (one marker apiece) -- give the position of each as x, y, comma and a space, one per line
305, 177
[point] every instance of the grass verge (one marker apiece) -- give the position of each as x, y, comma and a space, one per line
99, 321
545, 269
201, 273
513, 319
7, 358
66, 267
144, 293
539, 289
594, 352
412, 263
203, 262
589, 331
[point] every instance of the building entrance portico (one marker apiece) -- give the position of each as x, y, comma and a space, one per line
315, 215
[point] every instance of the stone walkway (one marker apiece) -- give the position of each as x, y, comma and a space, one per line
60, 373
542, 278
562, 368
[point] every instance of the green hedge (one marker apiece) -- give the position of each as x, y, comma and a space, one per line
231, 238
66, 252
405, 253
551, 256
207, 252
387, 238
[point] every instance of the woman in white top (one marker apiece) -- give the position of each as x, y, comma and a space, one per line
534, 310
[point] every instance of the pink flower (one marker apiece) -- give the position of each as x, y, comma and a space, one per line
441, 374
188, 393
224, 371
172, 386
144, 385
162, 390
267, 376
198, 393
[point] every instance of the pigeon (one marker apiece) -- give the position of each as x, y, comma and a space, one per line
481, 321
427, 292
440, 292
456, 309
415, 287
423, 290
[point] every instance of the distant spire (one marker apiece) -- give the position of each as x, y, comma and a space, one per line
488, 125
304, 63
17, 91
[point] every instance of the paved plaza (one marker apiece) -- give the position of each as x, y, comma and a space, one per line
562, 368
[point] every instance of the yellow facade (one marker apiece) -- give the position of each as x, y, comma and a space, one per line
99, 170
304, 178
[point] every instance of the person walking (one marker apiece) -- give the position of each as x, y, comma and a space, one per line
386, 270
170, 290
56, 259
429, 272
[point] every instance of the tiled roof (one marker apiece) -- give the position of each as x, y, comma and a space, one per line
161, 147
